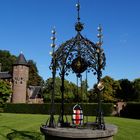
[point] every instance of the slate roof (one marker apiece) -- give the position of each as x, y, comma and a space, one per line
36, 91
21, 60
5, 75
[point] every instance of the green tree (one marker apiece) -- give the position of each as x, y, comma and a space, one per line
92, 95
69, 92
48, 86
5, 91
34, 78
7, 60
70, 88
84, 88
136, 85
126, 92
110, 89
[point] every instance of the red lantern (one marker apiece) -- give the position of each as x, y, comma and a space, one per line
77, 117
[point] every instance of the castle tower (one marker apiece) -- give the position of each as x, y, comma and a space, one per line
20, 78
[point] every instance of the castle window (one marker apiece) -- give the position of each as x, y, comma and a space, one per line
20, 82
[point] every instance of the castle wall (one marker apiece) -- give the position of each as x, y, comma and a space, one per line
20, 78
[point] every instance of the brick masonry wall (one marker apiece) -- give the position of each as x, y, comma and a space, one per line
20, 78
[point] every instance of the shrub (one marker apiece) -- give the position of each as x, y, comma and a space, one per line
1, 107
131, 110
89, 109
29, 108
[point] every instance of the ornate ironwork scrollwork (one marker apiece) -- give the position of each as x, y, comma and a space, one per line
79, 65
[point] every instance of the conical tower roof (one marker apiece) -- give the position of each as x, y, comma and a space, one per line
21, 60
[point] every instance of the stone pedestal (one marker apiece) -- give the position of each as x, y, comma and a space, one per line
79, 133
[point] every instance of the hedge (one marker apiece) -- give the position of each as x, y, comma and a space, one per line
89, 109
1, 107
131, 110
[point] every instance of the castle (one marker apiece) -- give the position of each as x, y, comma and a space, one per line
18, 79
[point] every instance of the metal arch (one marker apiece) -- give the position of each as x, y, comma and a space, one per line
79, 45
62, 61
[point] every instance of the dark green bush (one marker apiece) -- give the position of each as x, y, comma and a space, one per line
89, 109
131, 110
1, 110
30, 108
1, 107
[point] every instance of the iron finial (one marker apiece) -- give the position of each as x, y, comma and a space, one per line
53, 37
78, 10
100, 36
79, 26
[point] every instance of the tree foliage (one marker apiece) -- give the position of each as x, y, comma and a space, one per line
70, 89
7, 60
84, 89
72, 93
126, 91
113, 91
34, 78
122, 89
109, 92
110, 89
5, 91
136, 85
92, 95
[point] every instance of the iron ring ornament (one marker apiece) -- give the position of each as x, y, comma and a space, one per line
79, 26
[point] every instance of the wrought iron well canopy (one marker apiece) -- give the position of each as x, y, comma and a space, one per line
78, 54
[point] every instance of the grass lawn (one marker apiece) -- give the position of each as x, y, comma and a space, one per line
27, 127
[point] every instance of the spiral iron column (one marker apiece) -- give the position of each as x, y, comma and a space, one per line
99, 118
52, 121
62, 98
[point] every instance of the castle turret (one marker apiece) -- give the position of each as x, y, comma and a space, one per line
20, 78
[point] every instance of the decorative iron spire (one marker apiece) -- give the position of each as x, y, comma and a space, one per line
78, 26
53, 38
78, 11
100, 36
53, 45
